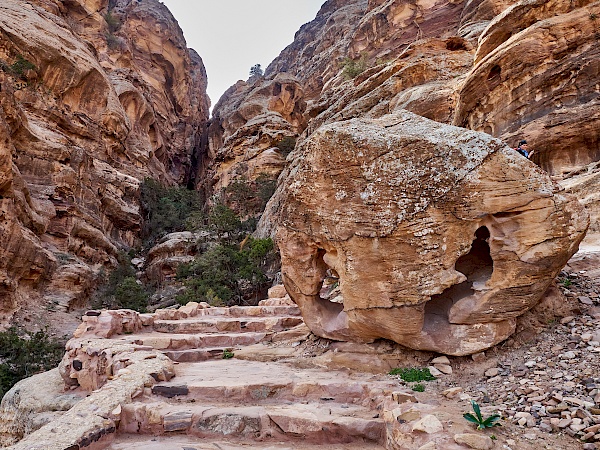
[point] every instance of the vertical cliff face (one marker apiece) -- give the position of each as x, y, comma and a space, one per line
535, 75
94, 96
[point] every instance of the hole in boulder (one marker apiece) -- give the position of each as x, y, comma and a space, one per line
330, 295
440, 304
477, 266
330, 289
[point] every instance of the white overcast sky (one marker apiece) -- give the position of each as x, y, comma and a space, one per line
233, 35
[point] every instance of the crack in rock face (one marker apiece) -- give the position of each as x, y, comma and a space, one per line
430, 235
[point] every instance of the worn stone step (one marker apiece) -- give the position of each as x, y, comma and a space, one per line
216, 324
167, 341
249, 311
195, 354
249, 382
310, 422
184, 442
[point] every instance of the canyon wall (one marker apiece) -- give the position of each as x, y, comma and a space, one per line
95, 95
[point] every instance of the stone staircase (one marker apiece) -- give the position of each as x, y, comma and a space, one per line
216, 403
208, 332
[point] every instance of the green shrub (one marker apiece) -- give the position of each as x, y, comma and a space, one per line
167, 209
353, 68
131, 295
228, 354
112, 41
418, 387
413, 374
223, 219
256, 71
286, 145
249, 198
23, 354
113, 22
21, 65
227, 274
120, 290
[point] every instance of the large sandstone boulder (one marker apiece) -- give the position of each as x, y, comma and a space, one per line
426, 234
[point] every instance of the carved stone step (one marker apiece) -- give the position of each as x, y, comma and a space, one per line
195, 354
216, 324
166, 341
310, 422
250, 311
186, 442
248, 382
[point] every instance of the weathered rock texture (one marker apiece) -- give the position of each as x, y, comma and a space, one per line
535, 76
92, 100
513, 69
437, 237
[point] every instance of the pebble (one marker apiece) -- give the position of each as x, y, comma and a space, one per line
492, 372
569, 355
440, 360
444, 368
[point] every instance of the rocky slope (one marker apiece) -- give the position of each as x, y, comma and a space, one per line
95, 96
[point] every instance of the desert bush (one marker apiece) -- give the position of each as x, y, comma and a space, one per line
113, 22
249, 198
413, 374
21, 65
352, 68
227, 274
167, 209
120, 289
18, 68
23, 354
286, 145
256, 71
129, 294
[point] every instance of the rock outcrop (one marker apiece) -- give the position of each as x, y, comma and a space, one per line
535, 76
436, 237
95, 96
410, 54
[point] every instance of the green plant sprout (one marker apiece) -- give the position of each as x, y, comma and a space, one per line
478, 419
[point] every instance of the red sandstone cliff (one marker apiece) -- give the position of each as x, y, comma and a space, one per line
94, 96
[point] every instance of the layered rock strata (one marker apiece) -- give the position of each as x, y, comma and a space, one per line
535, 76
94, 97
435, 237
412, 56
